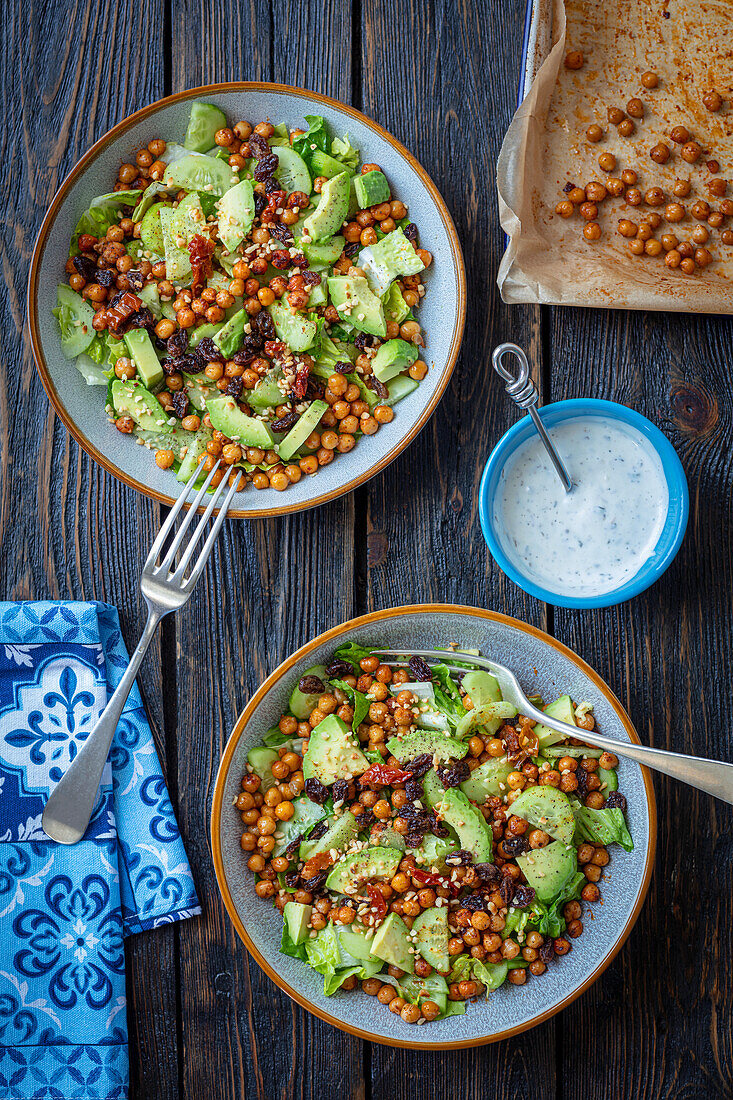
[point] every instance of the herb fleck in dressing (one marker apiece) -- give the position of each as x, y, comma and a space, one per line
596, 538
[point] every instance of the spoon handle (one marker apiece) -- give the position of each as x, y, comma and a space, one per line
523, 392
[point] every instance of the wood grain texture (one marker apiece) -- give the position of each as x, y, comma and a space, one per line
272, 585
59, 514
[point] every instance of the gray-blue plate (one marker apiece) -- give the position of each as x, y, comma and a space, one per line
543, 666
442, 313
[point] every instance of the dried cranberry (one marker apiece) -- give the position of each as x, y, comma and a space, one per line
313, 885
487, 872
179, 404
506, 890
86, 268
280, 258
413, 789
340, 790
410, 231
315, 791
235, 387
419, 765
136, 279
318, 831
419, 669
616, 801
523, 896
178, 342
311, 685
265, 166
300, 385
351, 249
474, 902
211, 352
515, 845
105, 278
338, 669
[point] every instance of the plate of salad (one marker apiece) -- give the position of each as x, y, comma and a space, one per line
252, 277
411, 859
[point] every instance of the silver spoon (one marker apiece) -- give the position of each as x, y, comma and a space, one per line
523, 392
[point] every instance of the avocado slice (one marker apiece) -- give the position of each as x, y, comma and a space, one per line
387, 837
228, 418
294, 329
261, 759
333, 206
563, 709
306, 814
266, 394
333, 752
352, 872
297, 918
434, 850
393, 357
391, 943
399, 387
389, 258
548, 869
324, 252
142, 351
340, 833
430, 932
548, 809
371, 188
135, 400
205, 119
236, 210
488, 780
455, 810
354, 302
299, 432
194, 454
301, 704
439, 744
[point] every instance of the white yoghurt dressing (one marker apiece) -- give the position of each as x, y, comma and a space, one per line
597, 537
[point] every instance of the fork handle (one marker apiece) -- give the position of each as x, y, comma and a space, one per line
715, 777
69, 807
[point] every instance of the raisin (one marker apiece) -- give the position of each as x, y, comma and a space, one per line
362, 341
410, 231
86, 268
299, 260
258, 144
235, 387
179, 404
141, 318
264, 325
515, 845
340, 790
284, 424
292, 848
309, 685
352, 249
506, 890
315, 791
487, 872
376, 386
414, 840
582, 776
260, 203
280, 258
454, 775
318, 831
136, 279
211, 352
365, 820
439, 830
105, 278
419, 765
271, 185
292, 878
413, 789
474, 902
523, 896
311, 278
178, 342
343, 367
419, 669
547, 951
313, 885
568, 188
265, 167
616, 801
339, 669
281, 232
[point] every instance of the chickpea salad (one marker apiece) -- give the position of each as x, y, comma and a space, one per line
420, 837
247, 298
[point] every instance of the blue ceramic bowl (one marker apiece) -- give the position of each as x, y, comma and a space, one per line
672, 533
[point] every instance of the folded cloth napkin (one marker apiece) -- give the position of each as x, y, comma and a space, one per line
64, 911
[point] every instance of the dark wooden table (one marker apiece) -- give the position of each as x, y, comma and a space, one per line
442, 76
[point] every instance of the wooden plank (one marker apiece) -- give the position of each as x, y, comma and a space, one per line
658, 652
60, 516
424, 541
272, 585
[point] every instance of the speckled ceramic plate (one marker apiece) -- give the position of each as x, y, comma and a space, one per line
442, 313
544, 666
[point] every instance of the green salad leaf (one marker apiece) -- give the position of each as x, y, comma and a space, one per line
447, 695
353, 654
316, 137
548, 918
601, 826
344, 151
103, 212
288, 947
358, 700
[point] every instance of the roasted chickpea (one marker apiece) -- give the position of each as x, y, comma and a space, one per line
691, 152
654, 196
607, 162
679, 134
592, 231
565, 209
669, 242
660, 153
615, 186
594, 132
576, 195
700, 235
649, 79
712, 101
635, 108
588, 210
700, 210
629, 177
627, 229
615, 115
688, 266
653, 247
634, 196
625, 129
703, 257
595, 191
674, 212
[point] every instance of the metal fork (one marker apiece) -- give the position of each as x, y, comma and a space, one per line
712, 776
165, 588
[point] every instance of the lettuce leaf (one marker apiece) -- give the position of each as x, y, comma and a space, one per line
548, 918
288, 947
274, 738
601, 826
316, 137
103, 212
447, 695
358, 700
323, 954
353, 654
344, 151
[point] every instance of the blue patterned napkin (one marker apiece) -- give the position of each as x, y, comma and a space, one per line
64, 912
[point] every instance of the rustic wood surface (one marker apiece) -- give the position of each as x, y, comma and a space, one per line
442, 76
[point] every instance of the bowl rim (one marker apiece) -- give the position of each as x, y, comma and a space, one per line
674, 476
117, 131
276, 676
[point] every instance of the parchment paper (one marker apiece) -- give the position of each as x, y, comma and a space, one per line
547, 259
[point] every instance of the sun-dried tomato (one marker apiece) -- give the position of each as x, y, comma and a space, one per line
378, 902
276, 349
383, 775
122, 308
200, 250
300, 384
428, 878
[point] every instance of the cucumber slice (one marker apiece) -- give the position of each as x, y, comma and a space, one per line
197, 172
266, 394
151, 232
74, 316
301, 703
204, 121
298, 434
195, 452
293, 174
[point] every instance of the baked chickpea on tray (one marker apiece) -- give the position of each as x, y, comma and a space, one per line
247, 297
423, 840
